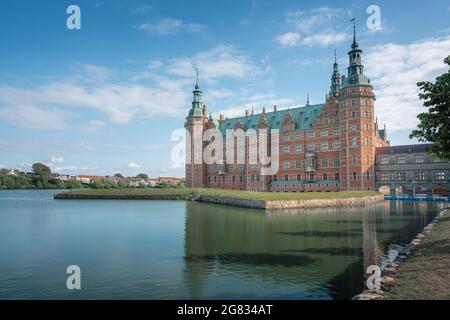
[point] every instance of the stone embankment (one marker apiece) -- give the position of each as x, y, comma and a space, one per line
293, 204
391, 270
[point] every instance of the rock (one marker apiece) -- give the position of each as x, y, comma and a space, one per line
387, 281
370, 295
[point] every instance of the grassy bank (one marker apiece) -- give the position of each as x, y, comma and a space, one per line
425, 275
184, 193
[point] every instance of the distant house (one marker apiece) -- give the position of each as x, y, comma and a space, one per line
171, 181
88, 179
13, 172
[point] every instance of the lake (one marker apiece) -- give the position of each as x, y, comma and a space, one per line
189, 250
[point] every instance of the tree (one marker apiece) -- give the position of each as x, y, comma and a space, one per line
41, 169
142, 176
435, 124
118, 175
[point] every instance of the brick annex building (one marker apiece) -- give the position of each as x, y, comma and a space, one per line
323, 147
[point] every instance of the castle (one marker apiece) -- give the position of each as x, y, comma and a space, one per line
322, 147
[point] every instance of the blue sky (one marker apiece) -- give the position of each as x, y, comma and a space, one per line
108, 97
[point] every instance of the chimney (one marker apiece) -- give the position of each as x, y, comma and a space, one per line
274, 108
246, 113
222, 117
205, 110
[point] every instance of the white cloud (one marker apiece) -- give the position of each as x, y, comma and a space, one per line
133, 165
313, 27
159, 92
168, 26
325, 39
55, 159
394, 71
221, 61
289, 39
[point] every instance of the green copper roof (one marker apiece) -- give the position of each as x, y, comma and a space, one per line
303, 116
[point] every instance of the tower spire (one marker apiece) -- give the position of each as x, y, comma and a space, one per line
196, 79
307, 99
354, 44
336, 79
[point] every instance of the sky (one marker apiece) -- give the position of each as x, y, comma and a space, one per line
113, 96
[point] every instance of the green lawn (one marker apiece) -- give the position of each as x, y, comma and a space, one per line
426, 274
185, 192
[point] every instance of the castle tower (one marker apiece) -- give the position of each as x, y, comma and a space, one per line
335, 79
196, 169
356, 122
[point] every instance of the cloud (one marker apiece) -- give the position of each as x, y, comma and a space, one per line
313, 27
169, 26
161, 90
133, 165
54, 159
219, 62
289, 39
394, 71
143, 9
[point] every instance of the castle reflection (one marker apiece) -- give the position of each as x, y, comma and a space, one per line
298, 254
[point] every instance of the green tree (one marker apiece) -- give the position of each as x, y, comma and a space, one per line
41, 169
142, 176
435, 124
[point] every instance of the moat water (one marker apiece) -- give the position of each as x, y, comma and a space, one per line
188, 250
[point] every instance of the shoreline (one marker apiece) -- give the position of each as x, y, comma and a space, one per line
394, 275
243, 199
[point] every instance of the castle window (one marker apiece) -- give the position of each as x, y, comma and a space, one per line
298, 136
336, 162
311, 177
353, 114
324, 163
353, 127
286, 164
311, 147
401, 176
324, 146
336, 176
299, 177
367, 141
439, 175
419, 158
298, 164
325, 176
275, 178
233, 179
311, 135
336, 132
354, 175
286, 177
324, 133
286, 148
367, 112
298, 148
384, 160
354, 141
240, 178
385, 176
214, 179
354, 160
420, 176
336, 144
401, 159
367, 126
368, 175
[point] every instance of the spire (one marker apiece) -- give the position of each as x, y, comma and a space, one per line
307, 99
354, 44
336, 79
196, 81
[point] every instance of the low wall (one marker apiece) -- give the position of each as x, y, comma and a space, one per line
293, 204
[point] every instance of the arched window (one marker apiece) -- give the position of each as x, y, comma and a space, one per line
354, 175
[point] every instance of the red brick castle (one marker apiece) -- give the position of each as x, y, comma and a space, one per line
322, 147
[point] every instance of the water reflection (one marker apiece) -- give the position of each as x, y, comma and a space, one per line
296, 254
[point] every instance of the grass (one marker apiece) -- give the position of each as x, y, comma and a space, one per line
180, 193
426, 274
